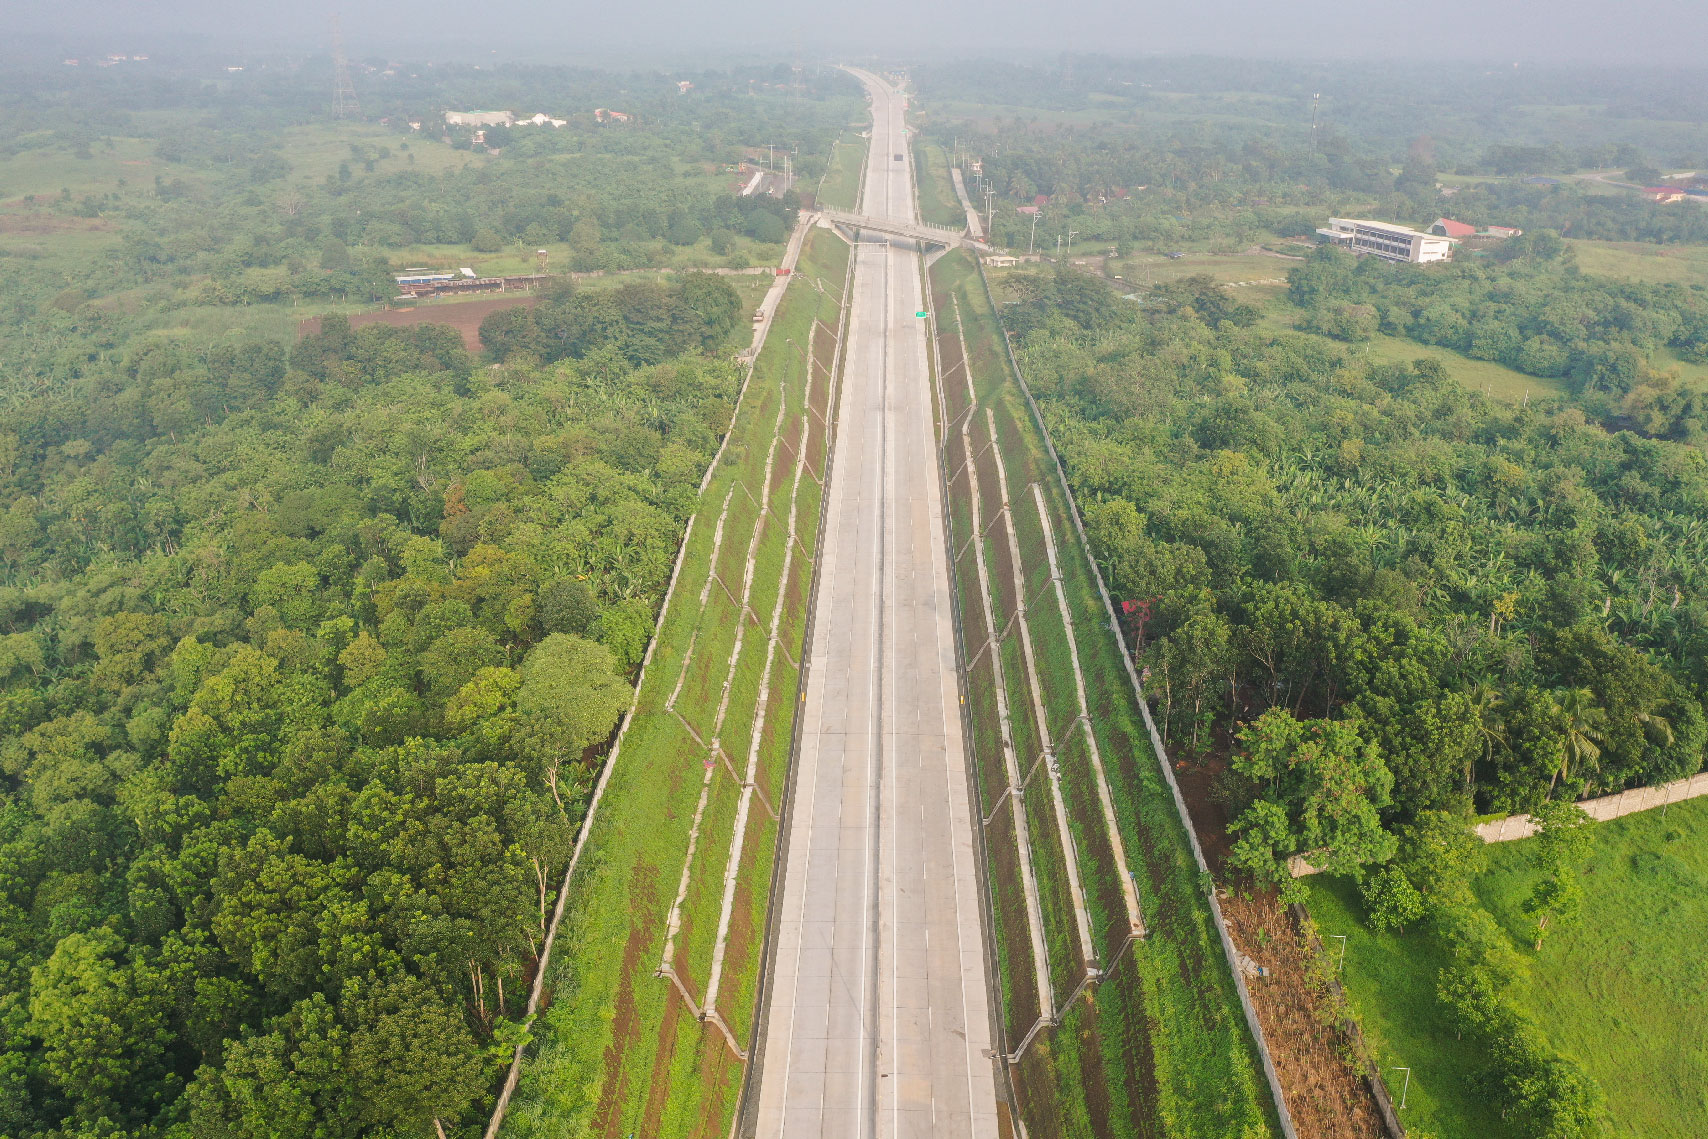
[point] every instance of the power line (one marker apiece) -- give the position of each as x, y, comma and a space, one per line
344, 104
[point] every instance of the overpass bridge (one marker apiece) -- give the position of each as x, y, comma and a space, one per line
911, 230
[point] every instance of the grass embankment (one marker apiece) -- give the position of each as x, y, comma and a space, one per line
1160, 1045
1621, 990
618, 1050
839, 189
938, 204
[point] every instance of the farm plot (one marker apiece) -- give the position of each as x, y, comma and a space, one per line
653, 986
1119, 1014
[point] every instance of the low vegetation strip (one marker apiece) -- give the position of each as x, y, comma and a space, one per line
619, 1049
1157, 1042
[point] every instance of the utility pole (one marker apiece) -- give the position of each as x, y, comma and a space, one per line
1032, 239
1072, 233
989, 196
344, 103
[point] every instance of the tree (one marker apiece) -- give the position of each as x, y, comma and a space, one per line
570, 699
1324, 786
1561, 844
510, 332
411, 1056
101, 1036
1584, 724
1390, 899
567, 605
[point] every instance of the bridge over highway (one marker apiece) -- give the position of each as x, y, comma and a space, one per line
912, 230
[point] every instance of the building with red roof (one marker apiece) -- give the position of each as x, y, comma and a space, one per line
1447, 227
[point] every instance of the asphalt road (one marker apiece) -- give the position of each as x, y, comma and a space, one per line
879, 1019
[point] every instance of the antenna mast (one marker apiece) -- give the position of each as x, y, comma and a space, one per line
1315, 99
344, 104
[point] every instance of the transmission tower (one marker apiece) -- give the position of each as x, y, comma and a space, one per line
344, 104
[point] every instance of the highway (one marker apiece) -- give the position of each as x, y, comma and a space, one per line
878, 1020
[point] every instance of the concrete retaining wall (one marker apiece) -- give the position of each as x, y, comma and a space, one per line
1514, 827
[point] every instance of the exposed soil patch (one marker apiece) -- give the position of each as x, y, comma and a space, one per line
1325, 1095
464, 316
625, 1024
1209, 817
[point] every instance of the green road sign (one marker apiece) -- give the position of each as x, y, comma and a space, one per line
918, 314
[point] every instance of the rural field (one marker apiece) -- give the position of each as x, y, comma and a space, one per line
1621, 990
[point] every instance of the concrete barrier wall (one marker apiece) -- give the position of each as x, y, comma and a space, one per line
1514, 827
1607, 807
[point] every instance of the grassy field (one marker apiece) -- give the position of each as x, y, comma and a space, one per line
118, 165
1494, 380
1640, 261
1144, 269
841, 183
619, 1051
1621, 990
937, 202
1159, 1045
316, 150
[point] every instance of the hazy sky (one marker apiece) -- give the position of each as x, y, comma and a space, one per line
1598, 31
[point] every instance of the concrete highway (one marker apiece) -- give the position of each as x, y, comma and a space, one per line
879, 1020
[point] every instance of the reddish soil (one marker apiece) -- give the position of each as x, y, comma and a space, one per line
40, 223
464, 316
658, 1088
774, 745
1209, 817
1001, 568
987, 734
625, 1025
816, 448
1325, 1096
1010, 906
743, 937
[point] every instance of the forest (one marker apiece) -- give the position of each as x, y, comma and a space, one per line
310, 649
1505, 600
1390, 604
298, 713
1528, 308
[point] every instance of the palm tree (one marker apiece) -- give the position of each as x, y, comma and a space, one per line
1584, 721
1486, 702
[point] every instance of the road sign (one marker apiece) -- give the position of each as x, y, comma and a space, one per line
918, 314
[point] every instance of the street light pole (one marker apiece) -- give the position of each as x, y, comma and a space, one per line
1340, 965
1404, 1088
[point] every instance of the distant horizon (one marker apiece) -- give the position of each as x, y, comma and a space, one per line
1599, 33
48, 48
